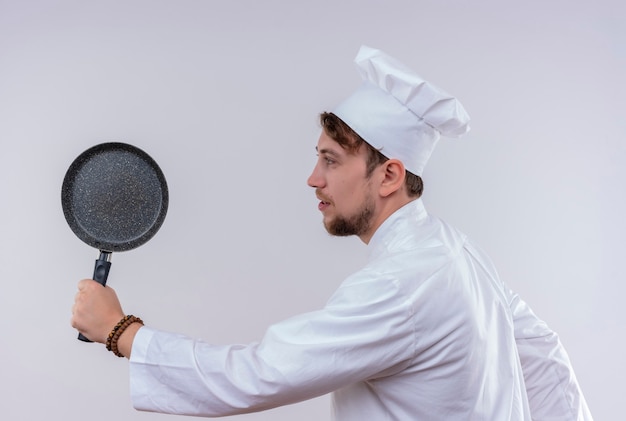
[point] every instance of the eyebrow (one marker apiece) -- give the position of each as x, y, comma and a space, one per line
327, 152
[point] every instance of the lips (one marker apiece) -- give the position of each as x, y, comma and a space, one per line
323, 205
324, 202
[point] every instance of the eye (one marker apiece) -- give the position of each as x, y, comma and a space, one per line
329, 161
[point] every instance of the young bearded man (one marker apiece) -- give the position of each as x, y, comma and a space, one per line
425, 331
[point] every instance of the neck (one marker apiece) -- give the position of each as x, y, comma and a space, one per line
387, 208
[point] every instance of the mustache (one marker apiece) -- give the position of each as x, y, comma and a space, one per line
321, 196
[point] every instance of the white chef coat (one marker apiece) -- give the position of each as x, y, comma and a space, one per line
425, 331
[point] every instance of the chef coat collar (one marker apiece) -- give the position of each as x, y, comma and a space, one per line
386, 232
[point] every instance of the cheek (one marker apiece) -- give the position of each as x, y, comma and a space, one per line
351, 192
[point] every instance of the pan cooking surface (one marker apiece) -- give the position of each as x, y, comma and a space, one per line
114, 197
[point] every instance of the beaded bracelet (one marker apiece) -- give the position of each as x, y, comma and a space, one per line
117, 331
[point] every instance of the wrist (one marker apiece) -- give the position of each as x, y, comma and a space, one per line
119, 340
125, 341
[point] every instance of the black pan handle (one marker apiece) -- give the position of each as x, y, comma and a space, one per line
100, 275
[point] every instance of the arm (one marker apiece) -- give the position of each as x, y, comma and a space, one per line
552, 388
300, 358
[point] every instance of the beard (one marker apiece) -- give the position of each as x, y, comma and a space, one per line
355, 224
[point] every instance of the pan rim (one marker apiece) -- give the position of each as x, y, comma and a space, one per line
78, 226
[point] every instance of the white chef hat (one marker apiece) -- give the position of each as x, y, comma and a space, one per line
398, 112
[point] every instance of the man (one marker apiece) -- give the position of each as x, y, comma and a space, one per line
425, 331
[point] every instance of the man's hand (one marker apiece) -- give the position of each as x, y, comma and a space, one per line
96, 310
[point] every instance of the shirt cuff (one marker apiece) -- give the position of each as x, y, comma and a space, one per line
141, 342
139, 386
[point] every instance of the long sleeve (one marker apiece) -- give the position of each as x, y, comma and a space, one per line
361, 331
552, 388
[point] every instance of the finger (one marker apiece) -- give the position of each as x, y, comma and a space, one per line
83, 284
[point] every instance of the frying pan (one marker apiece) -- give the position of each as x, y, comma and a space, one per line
114, 198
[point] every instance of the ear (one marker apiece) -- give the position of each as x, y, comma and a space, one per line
393, 173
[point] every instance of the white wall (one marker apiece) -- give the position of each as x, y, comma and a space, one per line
224, 95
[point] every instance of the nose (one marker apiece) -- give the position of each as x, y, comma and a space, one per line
315, 180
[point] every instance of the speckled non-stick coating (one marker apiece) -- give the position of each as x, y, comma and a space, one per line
114, 197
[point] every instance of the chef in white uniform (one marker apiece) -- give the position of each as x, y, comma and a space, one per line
425, 331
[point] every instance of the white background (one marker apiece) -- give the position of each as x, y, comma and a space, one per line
225, 96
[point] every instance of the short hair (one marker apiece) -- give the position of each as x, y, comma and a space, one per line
350, 140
